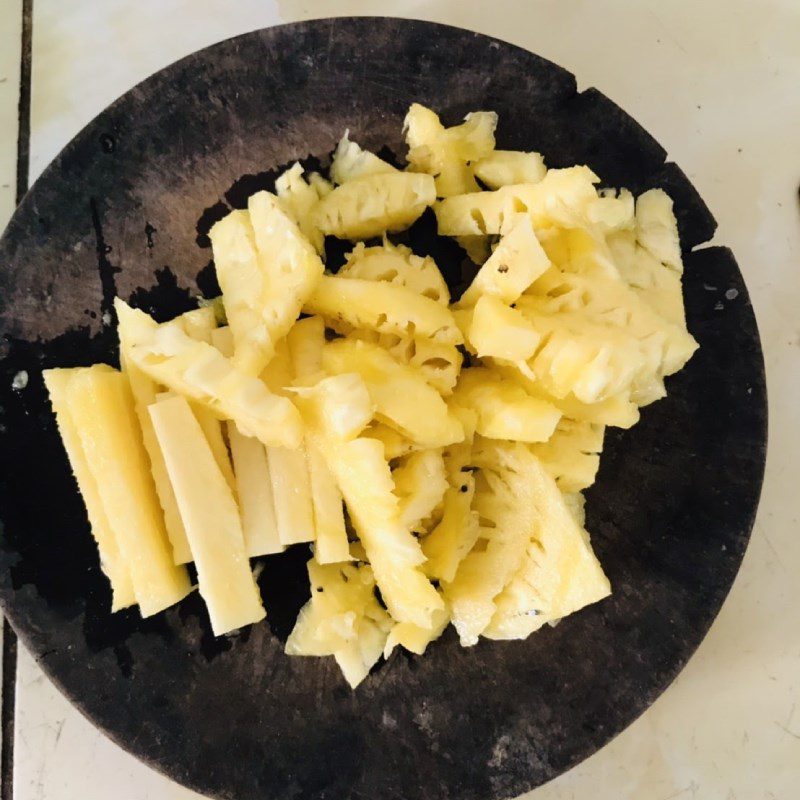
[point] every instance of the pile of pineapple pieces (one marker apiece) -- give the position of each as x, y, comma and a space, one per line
433, 452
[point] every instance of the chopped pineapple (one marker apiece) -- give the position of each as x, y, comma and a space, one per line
132, 327
414, 638
342, 619
211, 518
371, 206
111, 560
559, 573
451, 540
438, 362
397, 264
102, 409
200, 372
505, 410
390, 384
199, 323
351, 162
340, 405
515, 264
306, 341
657, 229
572, 454
446, 152
298, 199
508, 167
499, 331
419, 483
508, 517
382, 307
395, 445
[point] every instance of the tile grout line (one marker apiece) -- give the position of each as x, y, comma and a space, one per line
9, 655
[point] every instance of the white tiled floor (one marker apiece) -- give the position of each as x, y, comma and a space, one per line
716, 83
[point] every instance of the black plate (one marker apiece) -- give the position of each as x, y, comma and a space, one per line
125, 206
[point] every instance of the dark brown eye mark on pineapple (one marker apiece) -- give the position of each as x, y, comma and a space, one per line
502, 269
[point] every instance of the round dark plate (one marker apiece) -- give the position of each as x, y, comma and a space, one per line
124, 209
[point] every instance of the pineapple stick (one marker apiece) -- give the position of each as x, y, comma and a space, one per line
145, 390
211, 518
253, 483
306, 341
111, 560
288, 469
102, 408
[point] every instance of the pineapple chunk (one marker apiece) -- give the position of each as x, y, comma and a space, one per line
306, 341
351, 162
414, 638
398, 265
613, 211
199, 323
452, 539
200, 372
508, 167
575, 250
501, 331
288, 468
340, 405
222, 339
390, 384
298, 199
505, 410
515, 264
508, 518
254, 490
371, 206
383, 307
342, 619
266, 269
657, 229
438, 363
395, 445
446, 152
111, 561
559, 573
420, 483
210, 516
572, 454
563, 197
102, 409
131, 328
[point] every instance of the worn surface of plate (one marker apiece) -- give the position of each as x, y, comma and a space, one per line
125, 208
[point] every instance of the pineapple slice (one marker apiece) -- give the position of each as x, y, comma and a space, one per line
559, 573
508, 167
414, 638
452, 539
505, 410
395, 445
398, 265
351, 162
102, 409
306, 341
508, 517
131, 328
446, 152
254, 490
371, 206
200, 372
426, 422
342, 619
500, 331
382, 307
298, 199
266, 268
515, 264
563, 198
211, 518
657, 229
288, 467
420, 482
572, 454
111, 561
212, 430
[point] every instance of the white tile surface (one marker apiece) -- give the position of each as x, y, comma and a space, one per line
717, 84
10, 42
